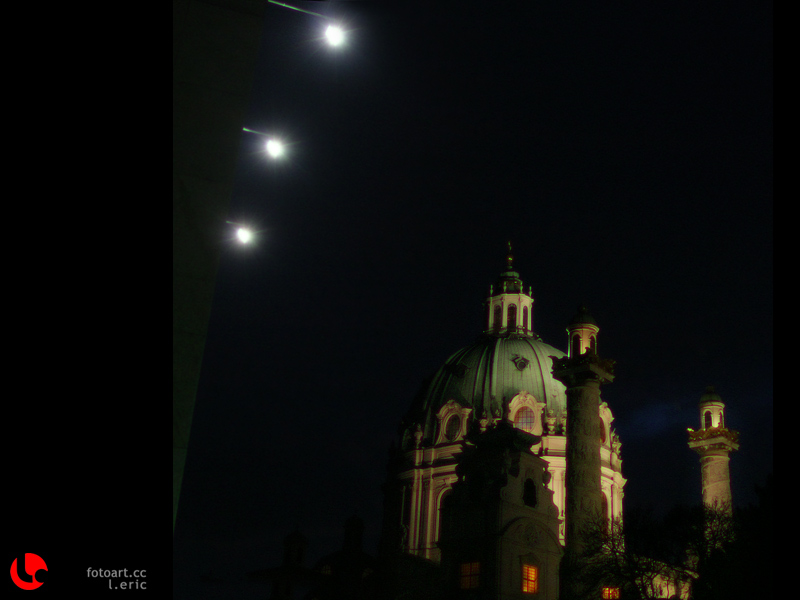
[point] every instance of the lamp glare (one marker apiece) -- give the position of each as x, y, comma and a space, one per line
244, 235
274, 148
334, 34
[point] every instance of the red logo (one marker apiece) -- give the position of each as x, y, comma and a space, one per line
33, 563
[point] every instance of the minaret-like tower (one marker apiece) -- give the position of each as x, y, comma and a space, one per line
510, 309
714, 442
582, 373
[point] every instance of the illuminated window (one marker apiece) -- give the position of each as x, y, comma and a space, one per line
530, 579
525, 419
326, 570
470, 575
610, 593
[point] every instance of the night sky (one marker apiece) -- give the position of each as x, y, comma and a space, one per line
624, 148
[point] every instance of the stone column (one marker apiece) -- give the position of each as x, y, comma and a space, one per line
714, 442
583, 376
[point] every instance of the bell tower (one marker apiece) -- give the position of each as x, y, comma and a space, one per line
714, 442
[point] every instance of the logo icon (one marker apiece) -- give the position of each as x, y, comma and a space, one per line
33, 563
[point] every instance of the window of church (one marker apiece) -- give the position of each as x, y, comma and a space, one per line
452, 428
512, 317
610, 593
530, 579
707, 424
602, 431
498, 317
525, 419
470, 575
525, 318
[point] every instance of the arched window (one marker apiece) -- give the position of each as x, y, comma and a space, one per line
529, 493
576, 345
512, 317
602, 431
722, 419
604, 505
525, 419
498, 317
707, 420
525, 318
593, 344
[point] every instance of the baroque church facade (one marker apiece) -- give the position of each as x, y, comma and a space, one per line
506, 375
506, 456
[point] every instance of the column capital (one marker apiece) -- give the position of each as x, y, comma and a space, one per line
585, 368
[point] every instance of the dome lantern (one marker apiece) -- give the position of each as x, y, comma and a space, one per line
509, 308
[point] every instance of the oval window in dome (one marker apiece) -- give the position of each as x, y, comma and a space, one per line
525, 419
452, 428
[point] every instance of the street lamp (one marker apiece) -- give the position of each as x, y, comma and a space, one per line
334, 34
244, 235
274, 147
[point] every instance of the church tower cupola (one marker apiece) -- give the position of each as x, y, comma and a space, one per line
714, 442
582, 332
509, 308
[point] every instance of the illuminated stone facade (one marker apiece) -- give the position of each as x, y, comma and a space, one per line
504, 377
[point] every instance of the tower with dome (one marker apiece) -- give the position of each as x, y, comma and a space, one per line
503, 380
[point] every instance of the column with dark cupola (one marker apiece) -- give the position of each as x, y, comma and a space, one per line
582, 372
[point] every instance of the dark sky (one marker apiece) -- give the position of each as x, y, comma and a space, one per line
625, 149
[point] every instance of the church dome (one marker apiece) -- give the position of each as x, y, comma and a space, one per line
509, 359
486, 375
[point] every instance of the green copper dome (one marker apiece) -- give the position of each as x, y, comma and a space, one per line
486, 375
509, 358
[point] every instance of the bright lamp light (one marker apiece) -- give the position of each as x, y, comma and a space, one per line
334, 34
244, 235
274, 148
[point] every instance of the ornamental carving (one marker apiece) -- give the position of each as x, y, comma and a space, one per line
713, 432
520, 362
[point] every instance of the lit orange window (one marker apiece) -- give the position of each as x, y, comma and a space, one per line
470, 574
610, 593
530, 579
